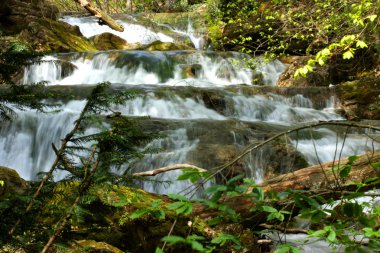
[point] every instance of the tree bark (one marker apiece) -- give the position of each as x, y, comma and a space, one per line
101, 15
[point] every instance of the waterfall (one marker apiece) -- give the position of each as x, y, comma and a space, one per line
190, 95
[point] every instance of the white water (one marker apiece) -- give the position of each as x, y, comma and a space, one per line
139, 67
175, 150
25, 143
133, 33
277, 108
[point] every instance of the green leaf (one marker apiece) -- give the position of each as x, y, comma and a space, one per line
178, 197
173, 239
158, 250
197, 246
138, 214
159, 214
331, 237
269, 209
348, 55
175, 205
278, 216
361, 44
376, 165
352, 210
352, 159
367, 221
186, 209
318, 233
216, 188
372, 17
345, 171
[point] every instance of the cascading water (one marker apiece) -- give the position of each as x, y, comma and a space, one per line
133, 33
157, 74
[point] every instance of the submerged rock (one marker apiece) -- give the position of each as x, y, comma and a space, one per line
191, 70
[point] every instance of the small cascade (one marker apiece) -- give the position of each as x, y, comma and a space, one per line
270, 72
25, 142
324, 145
174, 150
278, 108
133, 33
175, 108
182, 68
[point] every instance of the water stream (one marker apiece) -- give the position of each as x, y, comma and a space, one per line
215, 116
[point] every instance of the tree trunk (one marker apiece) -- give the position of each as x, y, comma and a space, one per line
101, 15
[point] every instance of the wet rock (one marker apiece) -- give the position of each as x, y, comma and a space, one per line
215, 101
360, 99
165, 46
109, 41
191, 71
10, 181
319, 77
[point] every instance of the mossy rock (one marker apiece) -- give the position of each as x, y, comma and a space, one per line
92, 246
360, 99
165, 46
10, 181
110, 41
55, 36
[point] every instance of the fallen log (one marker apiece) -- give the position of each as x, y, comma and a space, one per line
318, 179
103, 17
324, 177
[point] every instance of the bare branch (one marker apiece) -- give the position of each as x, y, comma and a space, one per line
165, 169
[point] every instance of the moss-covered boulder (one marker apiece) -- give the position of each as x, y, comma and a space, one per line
10, 181
48, 35
36, 24
110, 41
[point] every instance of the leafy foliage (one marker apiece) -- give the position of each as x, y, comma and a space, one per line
279, 28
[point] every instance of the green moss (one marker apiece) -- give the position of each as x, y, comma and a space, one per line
48, 35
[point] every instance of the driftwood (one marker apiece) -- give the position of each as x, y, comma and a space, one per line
103, 17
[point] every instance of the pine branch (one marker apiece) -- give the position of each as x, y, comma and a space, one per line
83, 188
59, 153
